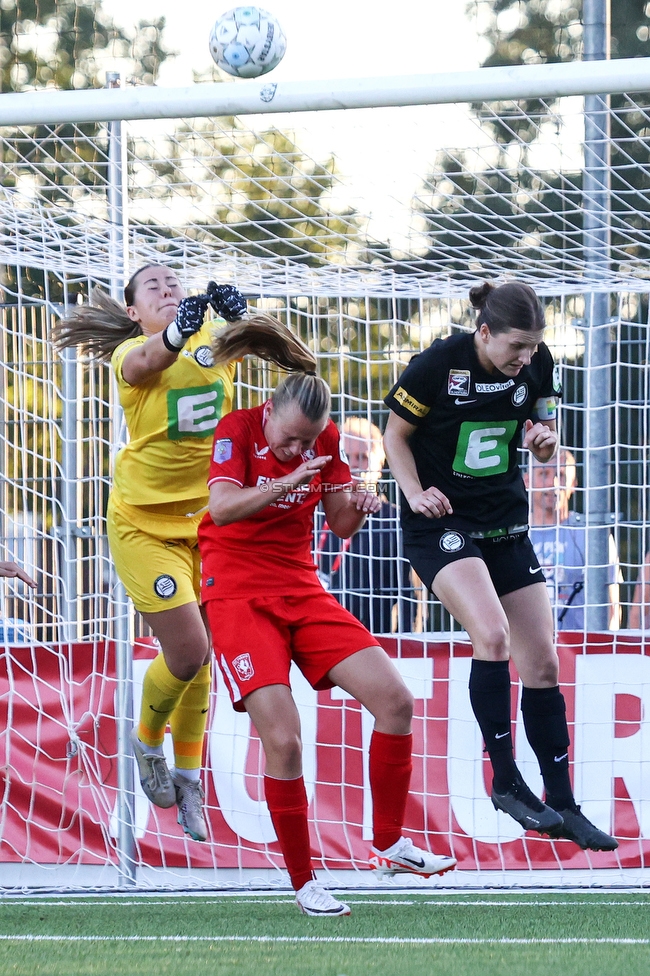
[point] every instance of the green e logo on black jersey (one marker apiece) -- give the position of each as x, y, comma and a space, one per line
483, 449
194, 412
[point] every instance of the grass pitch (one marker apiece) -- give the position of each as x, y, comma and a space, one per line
388, 934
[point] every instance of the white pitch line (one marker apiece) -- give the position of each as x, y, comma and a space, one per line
283, 900
315, 939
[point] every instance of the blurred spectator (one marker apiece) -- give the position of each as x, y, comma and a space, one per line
640, 609
559, 539
368, 574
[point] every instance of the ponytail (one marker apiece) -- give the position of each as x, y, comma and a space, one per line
478, 295
99, 328
263, 336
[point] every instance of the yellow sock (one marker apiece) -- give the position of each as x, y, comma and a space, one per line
161, 692
189, 720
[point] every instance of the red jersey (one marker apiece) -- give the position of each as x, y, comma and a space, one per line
269, 552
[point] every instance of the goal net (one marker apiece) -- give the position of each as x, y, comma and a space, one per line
364, 234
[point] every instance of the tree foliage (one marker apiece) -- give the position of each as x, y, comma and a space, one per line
534, 31
61, 44
547, 31
64, 44
507, 215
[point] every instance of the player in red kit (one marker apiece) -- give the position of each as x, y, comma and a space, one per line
271, 466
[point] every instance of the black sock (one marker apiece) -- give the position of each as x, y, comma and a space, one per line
489, 694
544, 713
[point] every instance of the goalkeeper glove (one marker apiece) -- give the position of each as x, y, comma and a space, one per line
189, 319
227, 301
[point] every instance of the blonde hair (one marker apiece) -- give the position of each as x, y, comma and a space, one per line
363, 429
308, 391
102, 325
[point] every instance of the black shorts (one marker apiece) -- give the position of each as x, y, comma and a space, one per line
510, 560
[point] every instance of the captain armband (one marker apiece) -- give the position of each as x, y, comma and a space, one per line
545, 409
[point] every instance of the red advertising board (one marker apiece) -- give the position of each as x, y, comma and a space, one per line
59, 764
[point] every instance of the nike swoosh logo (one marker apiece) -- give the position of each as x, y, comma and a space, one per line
417, 864
501, 735
533, 570
459, 403
163, 711
560, 758
203, 711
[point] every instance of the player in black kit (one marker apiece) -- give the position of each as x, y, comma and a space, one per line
458, 415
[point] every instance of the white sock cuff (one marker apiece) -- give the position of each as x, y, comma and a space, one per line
192, 774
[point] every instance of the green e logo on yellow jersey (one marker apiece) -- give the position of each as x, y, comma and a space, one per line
482, 449
195, 411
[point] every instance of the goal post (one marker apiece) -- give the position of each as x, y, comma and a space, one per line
367, 249
266, 97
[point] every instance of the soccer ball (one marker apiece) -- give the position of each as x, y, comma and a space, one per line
247, 42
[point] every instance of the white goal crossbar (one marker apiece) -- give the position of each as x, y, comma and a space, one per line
255, 97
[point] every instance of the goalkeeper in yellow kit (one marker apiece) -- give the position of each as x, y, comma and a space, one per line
174, 384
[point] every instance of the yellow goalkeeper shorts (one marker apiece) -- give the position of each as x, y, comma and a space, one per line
156, 553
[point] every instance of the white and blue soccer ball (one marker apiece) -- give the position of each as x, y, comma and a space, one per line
247, 42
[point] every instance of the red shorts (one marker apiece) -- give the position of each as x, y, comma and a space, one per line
256, 640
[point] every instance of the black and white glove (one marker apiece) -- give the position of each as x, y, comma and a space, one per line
189, 319
227, 301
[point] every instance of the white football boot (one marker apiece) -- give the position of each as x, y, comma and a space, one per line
405, 858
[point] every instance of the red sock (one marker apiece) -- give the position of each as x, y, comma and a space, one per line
287, 803
390, 777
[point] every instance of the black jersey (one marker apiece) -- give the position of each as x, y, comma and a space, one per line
469, 425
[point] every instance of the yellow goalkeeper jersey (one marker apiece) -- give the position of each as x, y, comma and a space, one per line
171, 420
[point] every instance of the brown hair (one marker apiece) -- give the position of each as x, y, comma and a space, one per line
101, 326
263, 336
310, 392
129, 288
510, 306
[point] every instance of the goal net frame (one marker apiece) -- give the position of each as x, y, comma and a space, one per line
72, 656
